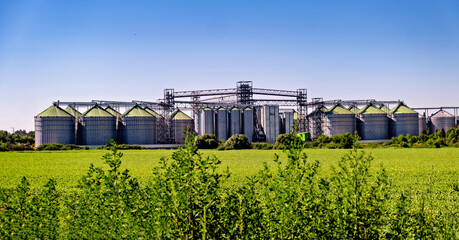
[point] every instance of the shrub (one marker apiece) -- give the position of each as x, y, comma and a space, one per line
206, 141
238, 141
284, 140
263, 146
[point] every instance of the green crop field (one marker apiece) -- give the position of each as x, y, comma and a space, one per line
411, 168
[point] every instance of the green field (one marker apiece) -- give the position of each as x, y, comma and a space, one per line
408, 168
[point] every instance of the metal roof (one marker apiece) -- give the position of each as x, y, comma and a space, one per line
112, 111
441, 113
54, 111
384, 109
137, 111
353, 109
339, 109
402, 108
97, 111
152, 112
179, 115
73, 111
371, 109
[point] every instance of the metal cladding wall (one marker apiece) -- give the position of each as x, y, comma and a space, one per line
373, 126
315, 125
138, 130
335, 124
179, 128
54, 130
288, 122
221, 124
97, 130
197, 122
441, 120
235, 121
404, 123
422, 124
248, 123
270, 122
207, 121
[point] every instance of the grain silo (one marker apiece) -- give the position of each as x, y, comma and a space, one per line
180, 121
139, 127
207, 121
339, 120
235, 121
221, 124
73, 112
118, 121
372, 123
270, 122
197, 122
54, 125
247, 116
422, 124
315, 120
441, 120
353, 109
288, 122
98, 127
160, 125
403, 120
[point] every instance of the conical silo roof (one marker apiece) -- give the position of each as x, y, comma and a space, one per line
321, 109
402, 108
384, 108
354, 109
152, 112
371, 109
441, 113
73, 111
207, 109
179, 115
234, 109
97, 111
113, 111
136, 111
339, 109
221, 108
54, 111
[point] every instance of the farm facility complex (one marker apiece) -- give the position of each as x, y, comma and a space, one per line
260, 114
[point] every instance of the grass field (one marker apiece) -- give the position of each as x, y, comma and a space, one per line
408, 168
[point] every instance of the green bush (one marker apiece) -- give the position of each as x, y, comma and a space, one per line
206, 141
263, 146
55, 146
237, 141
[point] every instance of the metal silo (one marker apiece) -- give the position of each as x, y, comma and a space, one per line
315, 119
118, 122
197, 122
270, 122
247, 116
353, 109
54, 125
160, 125
385, 109
180, 121
73, 112
138, 127
98, 127
288, 122
422, 124
339, 120
403, 120
221, 124
441, 120
235, 121
207, 121
372, 123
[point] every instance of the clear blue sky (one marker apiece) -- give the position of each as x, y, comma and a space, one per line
125, 50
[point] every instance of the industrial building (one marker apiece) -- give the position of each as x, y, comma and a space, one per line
260, 114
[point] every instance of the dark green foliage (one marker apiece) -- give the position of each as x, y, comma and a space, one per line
237, 141
263, 146
55, 146
18, 141
436, 140
207, 141
338, 141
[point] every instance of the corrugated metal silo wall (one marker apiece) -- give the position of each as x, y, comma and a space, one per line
179, 127
373, 126
404, 123
235, 122
287, 122
221, 123
422, 124
335, 124
439, 123
138, 130
54, 130
248, 124
207, 121
271, 123
316, 125
197, 122
98, 130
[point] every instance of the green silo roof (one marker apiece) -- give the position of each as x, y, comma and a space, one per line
248, 108
150, 111
371, 109
97, 111
179, 115
353, 109
113, 111
384, 109
73, 111
207, 109
136, 111
339, 109
234, 108
54, 111
221, 108
401, 108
